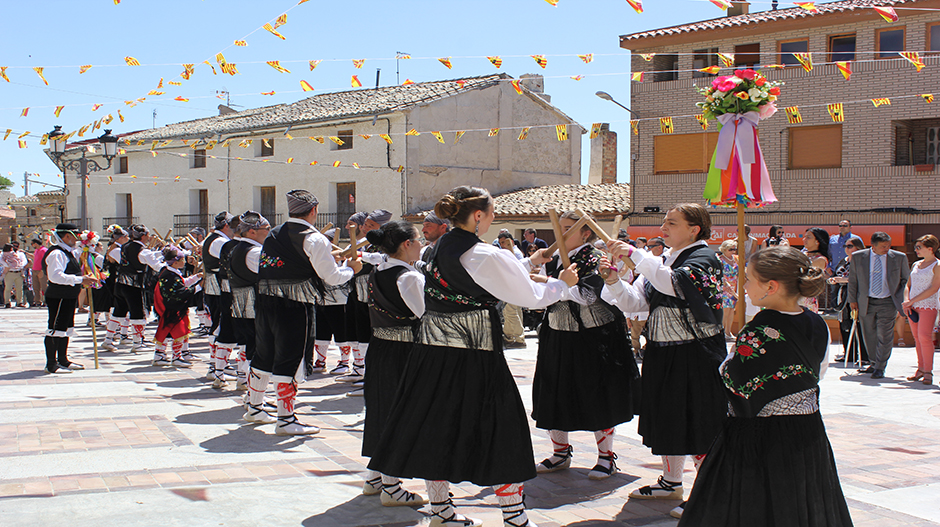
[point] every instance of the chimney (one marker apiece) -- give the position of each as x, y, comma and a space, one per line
535, 83
739, 8
603, 167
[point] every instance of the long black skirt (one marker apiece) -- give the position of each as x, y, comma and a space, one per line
457, 416
683, 404
385, 364
584, 380
772, 471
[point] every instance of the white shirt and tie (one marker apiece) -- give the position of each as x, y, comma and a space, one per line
878, 280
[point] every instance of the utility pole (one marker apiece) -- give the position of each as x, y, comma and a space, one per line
154, 118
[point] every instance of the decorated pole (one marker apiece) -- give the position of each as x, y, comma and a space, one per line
88, 240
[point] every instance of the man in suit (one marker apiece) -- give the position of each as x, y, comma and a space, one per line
877, 278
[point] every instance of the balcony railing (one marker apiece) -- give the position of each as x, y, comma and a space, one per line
335, 218
123, 221
183, 223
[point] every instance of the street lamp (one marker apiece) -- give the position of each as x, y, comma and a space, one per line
607, 97
82, 165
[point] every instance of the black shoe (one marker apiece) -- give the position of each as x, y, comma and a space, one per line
840, 358
869, 369
878, 374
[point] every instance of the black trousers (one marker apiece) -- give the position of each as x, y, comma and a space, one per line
61, 322
214, 303
119, 310
358, 323
284, 331
134, 297
331, 323
245, 335
225, 324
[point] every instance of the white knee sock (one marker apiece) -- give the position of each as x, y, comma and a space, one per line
560, 445
320, 347
510, 498
605, 444
697, 461
359, 354
344, 349
673, 466
439, 498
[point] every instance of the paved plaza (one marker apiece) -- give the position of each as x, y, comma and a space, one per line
132, 444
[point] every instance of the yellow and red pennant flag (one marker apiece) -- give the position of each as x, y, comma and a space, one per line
540, 60
523, 134
110, 180
7, 134
358, 63
290, 160
408, 82
95, 107
727, 59
3, 73
269, 29
809, 6
496, 61
58, 110
914, 58
722, 4
886, 12
314, 64
493, 132
174, 83
713, 70
314, 163
44, 139
647, 56
108, 119
160, 84
587, 58
927, 97
225, 143
39, 72
446, 62
241, 43
276, 64
401, 168
121, 117
355, 82
155, 92
387, 138
267, 92
881, 101
229, 67
317, 138
845, 68
577, 77
305, 86
22, 143
458, 135
702, 121
336, 164
281, 20
553, 2
402, 56
181, 99
25, 112
517, 86
356, 166
561, 132
131, 61
836, 112
438, 136
665, 125
638, 76
413, 132
337, 140
83, 69
806, 60
206, 62
637, 5
188, 70
22, 135
365, 136
460, 83
595, 130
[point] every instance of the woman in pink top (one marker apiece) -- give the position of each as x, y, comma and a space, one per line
921, 304
39, 278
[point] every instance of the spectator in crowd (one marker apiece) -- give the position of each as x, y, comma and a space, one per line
513, 331
751, 245
39, 278
840, 293
877, 279
529, 237
728, 256
14, 265
921, 304
641, 243
816, 248
775, 237
837, 244
656, 246
506, 241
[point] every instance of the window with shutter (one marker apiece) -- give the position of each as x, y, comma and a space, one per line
815, 147
683, 153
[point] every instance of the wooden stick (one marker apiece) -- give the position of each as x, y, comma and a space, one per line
740, 313
168, 233
327, 227
92, 317
615, 231
568, 234
602, 234
353, 238
559, 235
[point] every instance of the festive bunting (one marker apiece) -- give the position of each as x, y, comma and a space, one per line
665, 125
290, 160
881, 101
702, 121
523, 134
22, 135
95, 107
269, 29
577, 77
229, 67
3, 73
914, 58
121, 117
496, 61
727, 59
540, 60
493, 132
175, 83
561, 131
39, 72
356, 166
637, 5
517, 86
7, 134
402, 56
835, 111
460, 83
553, 2
724, 5
845, 68
335, 164
886, 12
83, 69
244, 143
388, 138
25, 112
774, 66
408, 82
809, 6
58, 110
588, 58
188, 70
44, 139
155, 92
160, 84
358, 63
276, 64
438, 136
635, 125
413, 132
305, 86
314, 64
446, 62
181, 99
647, 56
131, 61
355, 82
267, 92
281, 20
241, 43
806, 60
108, 119
206, 62
22, 143
927, 97
365, 136
595, 130
638, 76
313, 163
337, 140
713, 70
317, 138
457, 136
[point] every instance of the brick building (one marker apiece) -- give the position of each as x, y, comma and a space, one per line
877, 168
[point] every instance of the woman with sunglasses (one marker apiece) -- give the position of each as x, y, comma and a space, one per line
921, 304
841, 281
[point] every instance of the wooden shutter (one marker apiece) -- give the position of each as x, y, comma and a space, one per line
683, 153
268, 202
816, 147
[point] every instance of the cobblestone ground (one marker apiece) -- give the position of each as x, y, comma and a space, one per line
133, 444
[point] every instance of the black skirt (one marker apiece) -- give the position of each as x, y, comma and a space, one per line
457, 416
103, 299
683, 404
772, 471
385, 364
584, 380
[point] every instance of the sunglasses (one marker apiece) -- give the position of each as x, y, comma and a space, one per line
850, 246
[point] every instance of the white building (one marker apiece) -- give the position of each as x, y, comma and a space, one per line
192, 184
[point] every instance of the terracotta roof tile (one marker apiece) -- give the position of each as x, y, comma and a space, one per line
596, 199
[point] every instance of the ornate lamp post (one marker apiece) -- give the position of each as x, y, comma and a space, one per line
633, 159
82, 165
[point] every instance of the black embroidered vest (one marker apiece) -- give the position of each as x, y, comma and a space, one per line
73, 268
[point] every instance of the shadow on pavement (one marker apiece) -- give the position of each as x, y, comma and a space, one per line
204, 393
231, 415
247, 439
366, 511
23, 375
567, 490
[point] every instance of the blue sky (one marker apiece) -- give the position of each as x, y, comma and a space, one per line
61, 35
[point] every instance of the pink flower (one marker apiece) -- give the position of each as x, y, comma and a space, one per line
718, 80
726, 85
766, 111
747, 74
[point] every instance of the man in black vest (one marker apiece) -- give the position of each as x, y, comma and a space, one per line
136, 258
211, 248
296, 262
225, 340
65, 282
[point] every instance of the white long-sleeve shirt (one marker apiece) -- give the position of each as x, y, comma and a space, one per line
319, 251
503, 276
215, 248
253, 258
55, 267
631, 298
410, 284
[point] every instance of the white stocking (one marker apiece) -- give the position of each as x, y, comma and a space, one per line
605, 444
673, 466
511, 498
320, 347
439, 498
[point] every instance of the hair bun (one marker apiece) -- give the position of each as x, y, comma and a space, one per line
376, 237
448, 207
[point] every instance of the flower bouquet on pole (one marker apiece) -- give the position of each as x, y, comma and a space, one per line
737, 173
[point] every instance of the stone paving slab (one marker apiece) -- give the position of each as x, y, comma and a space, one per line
137, 445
